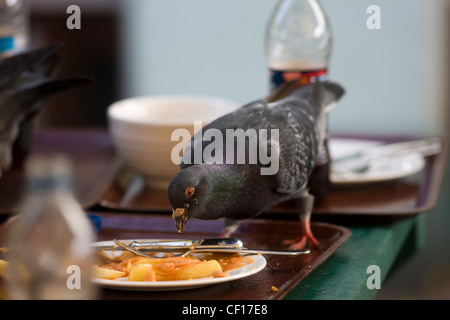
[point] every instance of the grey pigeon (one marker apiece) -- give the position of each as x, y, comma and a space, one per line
25, 80
224, 186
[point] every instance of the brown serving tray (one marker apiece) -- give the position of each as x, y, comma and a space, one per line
93, 158
398, 198
97, 172
282, 272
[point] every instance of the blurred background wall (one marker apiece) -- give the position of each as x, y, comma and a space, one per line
393, 76
92, 51
396, 78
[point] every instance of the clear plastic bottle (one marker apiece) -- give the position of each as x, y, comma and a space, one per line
298, 42
49, 251
14, 25
298, 46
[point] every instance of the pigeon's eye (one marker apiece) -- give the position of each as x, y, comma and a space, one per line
189, 192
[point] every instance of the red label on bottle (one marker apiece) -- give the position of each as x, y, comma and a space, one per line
277, 77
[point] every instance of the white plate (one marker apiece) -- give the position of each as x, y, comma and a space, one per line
123, 283
397, 167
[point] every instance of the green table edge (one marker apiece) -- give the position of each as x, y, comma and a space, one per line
344, 275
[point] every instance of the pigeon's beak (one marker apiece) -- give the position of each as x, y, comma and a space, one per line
180, 216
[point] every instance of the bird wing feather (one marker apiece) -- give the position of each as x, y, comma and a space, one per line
297, 141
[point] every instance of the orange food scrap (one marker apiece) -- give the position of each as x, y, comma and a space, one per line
219, 274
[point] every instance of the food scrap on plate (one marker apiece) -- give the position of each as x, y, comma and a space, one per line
128, 266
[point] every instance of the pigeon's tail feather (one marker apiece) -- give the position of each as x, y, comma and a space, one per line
282, 91
322, 95
319, 94
11, 68
33, 92
48, 67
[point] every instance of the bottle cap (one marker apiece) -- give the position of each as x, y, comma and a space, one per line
6, 43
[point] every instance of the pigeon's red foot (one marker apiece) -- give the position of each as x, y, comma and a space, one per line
301, 242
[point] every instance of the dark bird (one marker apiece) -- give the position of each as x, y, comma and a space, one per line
25, 80
224, 186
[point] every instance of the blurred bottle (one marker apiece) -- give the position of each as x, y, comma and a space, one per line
48, 245
14, 25
298, 42
298, 46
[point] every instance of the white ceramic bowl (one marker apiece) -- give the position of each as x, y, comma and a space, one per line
141, 129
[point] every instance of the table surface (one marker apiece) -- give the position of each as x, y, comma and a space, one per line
342, 275
345, 273
282, 272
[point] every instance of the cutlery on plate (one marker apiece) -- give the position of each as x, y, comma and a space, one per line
211, 249
367, 159
174, 244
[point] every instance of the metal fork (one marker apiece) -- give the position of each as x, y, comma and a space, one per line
213, 250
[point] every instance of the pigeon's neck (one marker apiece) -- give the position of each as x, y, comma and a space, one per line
229, 190
227, 184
